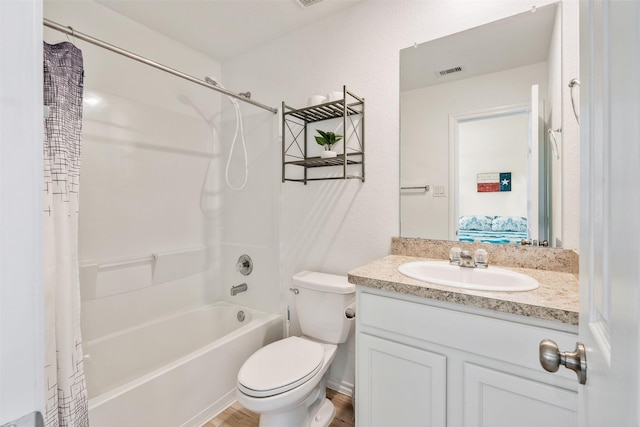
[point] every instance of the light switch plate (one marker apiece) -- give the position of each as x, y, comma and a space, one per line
438, 191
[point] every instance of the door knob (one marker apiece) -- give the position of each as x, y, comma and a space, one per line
551, 359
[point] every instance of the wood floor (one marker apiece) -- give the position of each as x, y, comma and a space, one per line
237, 416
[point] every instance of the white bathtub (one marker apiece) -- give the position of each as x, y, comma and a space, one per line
178, 371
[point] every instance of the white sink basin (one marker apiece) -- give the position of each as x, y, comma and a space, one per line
483, 279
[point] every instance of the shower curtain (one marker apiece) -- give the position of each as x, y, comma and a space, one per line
66, 397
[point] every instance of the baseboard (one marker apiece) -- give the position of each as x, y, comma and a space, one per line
340, 386
212, 410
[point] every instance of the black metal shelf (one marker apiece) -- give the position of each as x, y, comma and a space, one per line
317, 162
326, 111
294, 137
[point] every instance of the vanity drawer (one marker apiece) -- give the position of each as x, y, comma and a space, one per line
498, 339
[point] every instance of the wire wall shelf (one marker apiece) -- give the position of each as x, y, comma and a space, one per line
298, 128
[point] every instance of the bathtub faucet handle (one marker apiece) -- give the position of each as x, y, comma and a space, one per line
244, 265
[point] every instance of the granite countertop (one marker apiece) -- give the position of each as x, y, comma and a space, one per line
556, 299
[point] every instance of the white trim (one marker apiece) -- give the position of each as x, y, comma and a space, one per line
454, 120
21, 301
340, 386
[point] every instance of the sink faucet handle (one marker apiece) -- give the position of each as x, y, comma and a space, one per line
466, 260
454, 255
481, 257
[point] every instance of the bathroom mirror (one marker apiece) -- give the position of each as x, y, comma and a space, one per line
474, 113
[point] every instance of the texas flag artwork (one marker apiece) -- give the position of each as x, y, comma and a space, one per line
494, 181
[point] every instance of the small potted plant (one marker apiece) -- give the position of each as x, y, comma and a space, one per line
327, 140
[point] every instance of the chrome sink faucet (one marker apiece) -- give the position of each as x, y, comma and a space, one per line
466, 260
463, 258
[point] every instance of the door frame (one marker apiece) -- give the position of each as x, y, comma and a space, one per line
454, 149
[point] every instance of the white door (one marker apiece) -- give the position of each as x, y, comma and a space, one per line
610, 203
21, 314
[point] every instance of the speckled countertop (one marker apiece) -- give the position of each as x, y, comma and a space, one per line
556, 299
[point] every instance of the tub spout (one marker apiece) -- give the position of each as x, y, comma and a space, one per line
235, 290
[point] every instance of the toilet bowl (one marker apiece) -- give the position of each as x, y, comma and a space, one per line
285, 381
284, 375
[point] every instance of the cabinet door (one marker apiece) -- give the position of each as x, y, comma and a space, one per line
399, 385
498, 399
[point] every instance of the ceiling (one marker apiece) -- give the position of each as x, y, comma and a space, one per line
513, 42
223, 29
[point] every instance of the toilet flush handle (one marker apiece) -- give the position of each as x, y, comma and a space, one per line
350, 311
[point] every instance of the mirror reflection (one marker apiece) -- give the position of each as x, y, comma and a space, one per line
475, 161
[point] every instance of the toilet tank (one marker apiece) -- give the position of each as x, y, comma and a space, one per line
320, 303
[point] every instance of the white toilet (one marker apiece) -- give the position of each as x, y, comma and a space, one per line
285, 381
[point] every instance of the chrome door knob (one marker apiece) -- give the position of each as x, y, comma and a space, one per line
551, 359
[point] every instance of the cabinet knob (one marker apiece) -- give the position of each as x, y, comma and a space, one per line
551, 359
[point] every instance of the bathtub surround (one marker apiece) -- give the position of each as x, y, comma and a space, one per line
65, 393
102, 278
150, 184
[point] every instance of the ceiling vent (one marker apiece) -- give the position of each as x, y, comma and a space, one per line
450, 71
307, 3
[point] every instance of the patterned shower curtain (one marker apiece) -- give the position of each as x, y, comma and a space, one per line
66, 396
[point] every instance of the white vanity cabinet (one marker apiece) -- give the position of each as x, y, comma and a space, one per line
427, 363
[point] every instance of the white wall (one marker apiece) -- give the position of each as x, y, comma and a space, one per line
425, 138
335, 226
148, 141
21, 293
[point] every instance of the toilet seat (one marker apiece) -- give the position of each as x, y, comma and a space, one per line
280, 367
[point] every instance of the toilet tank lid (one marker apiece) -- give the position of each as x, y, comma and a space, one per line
323, 282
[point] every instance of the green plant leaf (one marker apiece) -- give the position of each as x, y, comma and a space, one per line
327, 138
325, 135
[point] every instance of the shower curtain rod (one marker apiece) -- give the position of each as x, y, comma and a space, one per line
70, 31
